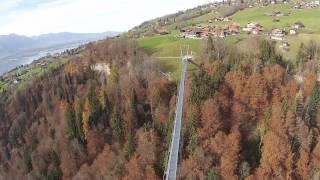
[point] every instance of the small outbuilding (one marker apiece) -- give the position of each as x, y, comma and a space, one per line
298, 25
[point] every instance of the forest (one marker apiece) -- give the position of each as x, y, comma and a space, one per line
246, 116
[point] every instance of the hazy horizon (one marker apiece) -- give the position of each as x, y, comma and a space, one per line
31, 36
36, 17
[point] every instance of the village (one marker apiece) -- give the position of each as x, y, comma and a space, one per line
307, 5
234, 28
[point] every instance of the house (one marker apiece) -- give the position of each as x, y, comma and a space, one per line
298, 25
252, 25
278, 34
234, 28
293, 32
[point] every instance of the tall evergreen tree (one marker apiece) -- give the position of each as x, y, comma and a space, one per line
302, 56
130, 146
312, 107
134, 100
116, 123
79, 120
71, 121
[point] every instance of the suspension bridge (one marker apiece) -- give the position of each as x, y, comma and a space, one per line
172, 166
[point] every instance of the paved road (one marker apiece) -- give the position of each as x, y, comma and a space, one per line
175, 142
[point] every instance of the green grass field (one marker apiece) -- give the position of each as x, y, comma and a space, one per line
257, 14
169, 46
310, 17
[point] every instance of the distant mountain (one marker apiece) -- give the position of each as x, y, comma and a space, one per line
13, 43
16, 50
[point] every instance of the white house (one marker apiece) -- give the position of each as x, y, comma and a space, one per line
293, 32
298, 25
252, 25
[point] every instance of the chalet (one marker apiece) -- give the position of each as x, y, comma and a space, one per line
252, 28
278, 34
252, 25
195, 33
298, 25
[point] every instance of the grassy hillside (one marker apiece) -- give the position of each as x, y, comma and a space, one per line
257, 14
169, 45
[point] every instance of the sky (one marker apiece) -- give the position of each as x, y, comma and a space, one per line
35, 17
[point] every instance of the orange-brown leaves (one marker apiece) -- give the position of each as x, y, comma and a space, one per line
196, 166
211, 120
309, 81
140, 165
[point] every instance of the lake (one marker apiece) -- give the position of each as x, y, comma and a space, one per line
10, 62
